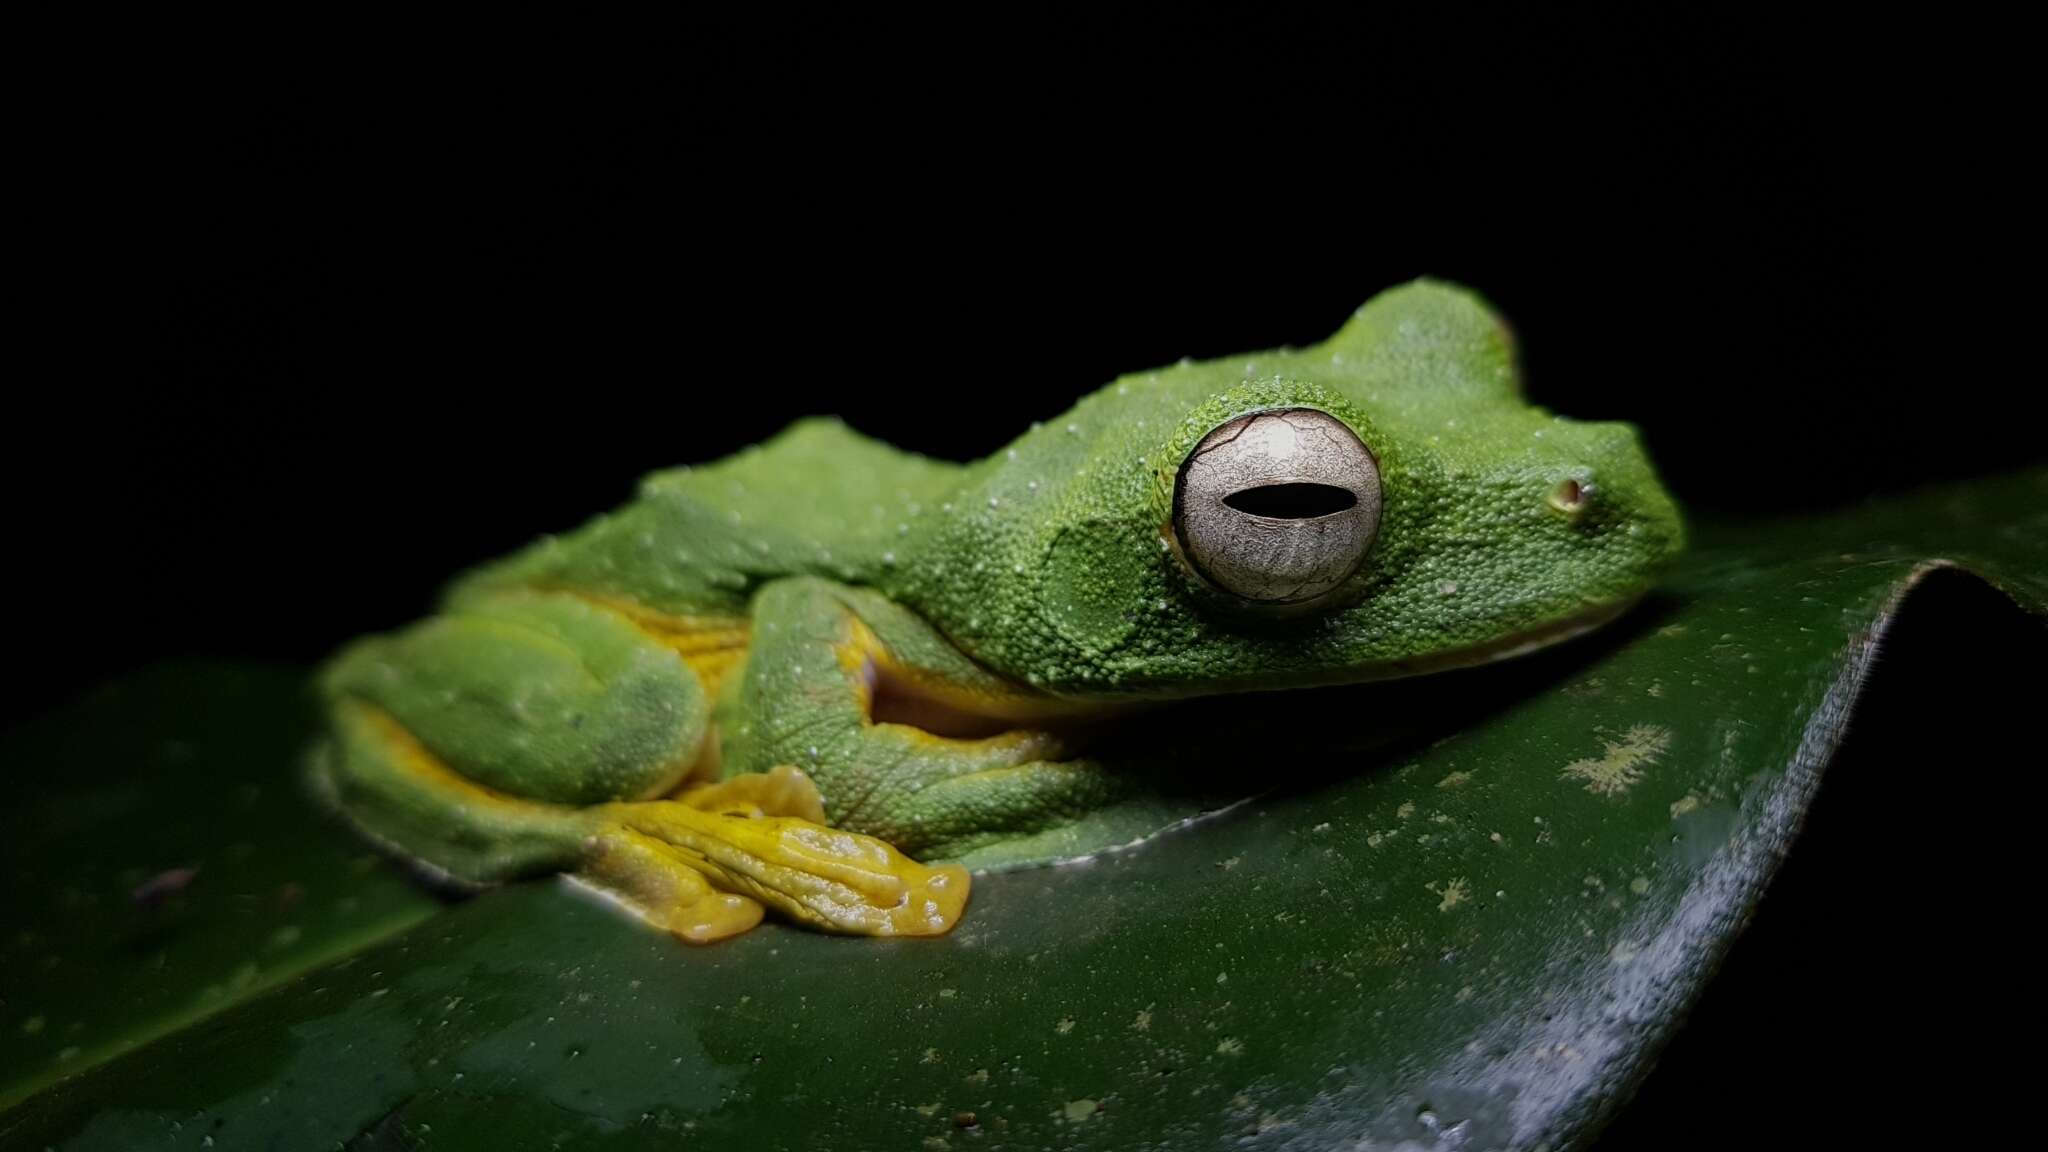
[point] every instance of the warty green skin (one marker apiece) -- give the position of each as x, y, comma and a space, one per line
1050, 562
1052, 567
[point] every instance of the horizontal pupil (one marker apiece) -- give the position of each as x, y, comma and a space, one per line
1292, 501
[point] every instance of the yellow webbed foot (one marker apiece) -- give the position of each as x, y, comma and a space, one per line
662, 888
732, 846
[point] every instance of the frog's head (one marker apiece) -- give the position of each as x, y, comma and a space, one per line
1381, 504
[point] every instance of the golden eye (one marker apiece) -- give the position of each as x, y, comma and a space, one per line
1277, 507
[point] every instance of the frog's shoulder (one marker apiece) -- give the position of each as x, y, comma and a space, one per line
816, 498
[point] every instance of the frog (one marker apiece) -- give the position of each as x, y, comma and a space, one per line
835, 680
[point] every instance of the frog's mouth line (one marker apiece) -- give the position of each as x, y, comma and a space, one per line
894, 696
1509, 647
1506, 648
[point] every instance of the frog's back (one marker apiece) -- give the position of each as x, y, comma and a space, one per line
1426, 362
819, 498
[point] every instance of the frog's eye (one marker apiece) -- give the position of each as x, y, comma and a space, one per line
1277, 507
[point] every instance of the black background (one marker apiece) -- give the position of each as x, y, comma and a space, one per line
324, 337
303, 341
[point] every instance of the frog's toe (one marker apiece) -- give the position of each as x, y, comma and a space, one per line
714, 917
847, 882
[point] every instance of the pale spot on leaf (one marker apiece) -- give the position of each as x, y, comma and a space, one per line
1618, 768
1454, 893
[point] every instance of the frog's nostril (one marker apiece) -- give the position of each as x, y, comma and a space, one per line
1292, 501
1570, 495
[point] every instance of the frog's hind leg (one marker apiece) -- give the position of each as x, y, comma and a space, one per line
536, 695
389, 785
512, 736
702, 866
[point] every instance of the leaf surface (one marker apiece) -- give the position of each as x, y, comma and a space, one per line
1475, 909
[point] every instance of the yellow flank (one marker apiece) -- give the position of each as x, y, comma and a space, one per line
712, 668
713, 646
820, 876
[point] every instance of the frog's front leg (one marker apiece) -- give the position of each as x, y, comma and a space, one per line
522, 733
909, 740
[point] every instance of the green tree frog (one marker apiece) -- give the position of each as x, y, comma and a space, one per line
828, 677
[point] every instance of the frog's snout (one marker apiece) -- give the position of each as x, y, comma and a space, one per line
1609, 484
1277, 507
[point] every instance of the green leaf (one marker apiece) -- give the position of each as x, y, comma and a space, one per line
1482, 917
163, 862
